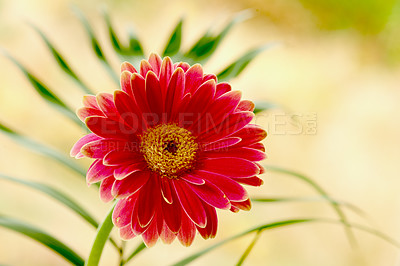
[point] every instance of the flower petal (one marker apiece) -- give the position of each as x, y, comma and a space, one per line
232, 189
244, 153
167, 236
166, 190
221, 144
193, 179
123, 171
187, 231
172, 212
130, 184
243, 205
108, 128
148, 200
231, 167
126, 66
126, 232
245, 105
174, 93
250, 134
194, 78
166, 73
99, 148
251, 181
211, 194
129, 111
122, 214
212, 223
154, 95
126, 82
139, 92
191, 203
144, 68
155, 61
84, 112
90, 101
150, 236
76, 149
97, 172
222, 88
106, 104
122, 157
105, 189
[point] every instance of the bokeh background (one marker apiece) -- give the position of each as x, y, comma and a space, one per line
336, 68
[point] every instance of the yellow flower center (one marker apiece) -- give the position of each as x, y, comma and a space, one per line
169, 150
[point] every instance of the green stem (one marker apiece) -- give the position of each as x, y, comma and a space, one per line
102, 235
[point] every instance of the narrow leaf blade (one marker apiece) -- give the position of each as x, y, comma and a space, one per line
174, 43
42, 237
234, 69
61, 61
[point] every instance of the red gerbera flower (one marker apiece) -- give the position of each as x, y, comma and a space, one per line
171, 146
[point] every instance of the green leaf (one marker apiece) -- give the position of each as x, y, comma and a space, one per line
268, 226
61, 61
249, 248
261, 228
95, 43
42, 237
234, 69
55, 194
263, 106
207, 44
323, 193
174, 43
100, 240
133, 49
139, 248
42, 149
47, 94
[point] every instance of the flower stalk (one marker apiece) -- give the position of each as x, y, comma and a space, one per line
100, 240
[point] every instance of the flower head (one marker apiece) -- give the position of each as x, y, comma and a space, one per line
171, 146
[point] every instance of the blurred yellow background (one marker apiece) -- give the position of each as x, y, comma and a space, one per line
337, 62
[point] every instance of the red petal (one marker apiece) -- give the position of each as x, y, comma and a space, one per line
218, 111
150, 236
185, 66
165, 73
155, 62
187, 231
84, 112
245, 105
193, 179
105, 189
129, 111
148, 199
167, 236
122, 157
243, 153
232, 189
139, 92
144, 68
231, 167
108, 128
99, 148
243, 205
76, 149
90, 101
123, 171
126, 82
97, 172
166, 190
174, 93
126, 232
258, 146
222, 88
194, 78
262, 169
190, 203
212, 195
250, 134
130, 185
128, 67
172, 213
210, 77
106, 104
251, 181
230, 125
221, 144
154, 95
212, 223
122, 214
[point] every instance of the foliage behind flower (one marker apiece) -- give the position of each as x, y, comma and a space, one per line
171, 146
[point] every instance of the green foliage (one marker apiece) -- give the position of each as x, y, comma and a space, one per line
174, 43
366, 16
42, 237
